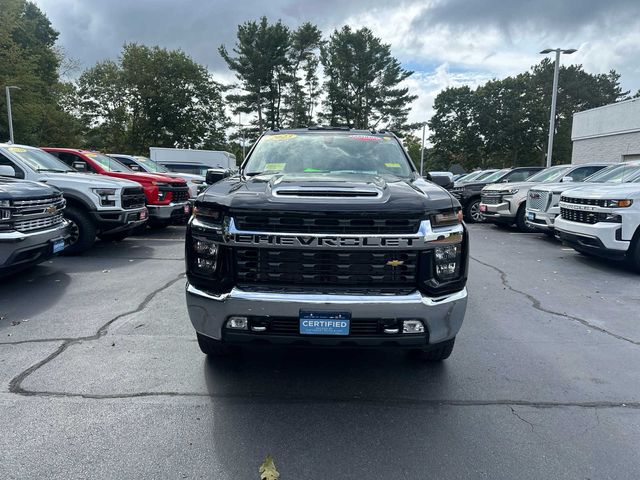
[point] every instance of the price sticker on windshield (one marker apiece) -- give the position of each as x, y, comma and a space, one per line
280, 136
17, 150
274, 166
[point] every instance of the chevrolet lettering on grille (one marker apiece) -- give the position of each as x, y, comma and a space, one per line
425, 236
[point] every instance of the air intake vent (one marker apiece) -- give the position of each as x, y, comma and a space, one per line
327, 192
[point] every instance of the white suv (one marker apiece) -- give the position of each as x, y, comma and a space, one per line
505, 203
602, 220
544, 199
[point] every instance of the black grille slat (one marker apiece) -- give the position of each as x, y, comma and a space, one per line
580, 216
324, 222
584, 201
318, 268
178, 193
491, 199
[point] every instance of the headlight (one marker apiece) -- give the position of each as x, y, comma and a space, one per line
5, 203
447, 261
161, 184
5, 214
618, 203
447, 218
205, 255
207, 213
107, 196
509, 191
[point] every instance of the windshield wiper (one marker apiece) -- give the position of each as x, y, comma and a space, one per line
55, 170
253, 174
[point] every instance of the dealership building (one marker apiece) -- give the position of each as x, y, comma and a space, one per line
610, 133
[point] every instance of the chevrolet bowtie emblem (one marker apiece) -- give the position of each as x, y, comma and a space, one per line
395, 263
52, 209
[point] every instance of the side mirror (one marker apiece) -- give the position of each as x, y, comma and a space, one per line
216, 174
7, 171
444, 179
134, 167
80, 166
567, 179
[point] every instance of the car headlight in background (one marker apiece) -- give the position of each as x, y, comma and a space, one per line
205, 255
509, 191
107, 196
618, 203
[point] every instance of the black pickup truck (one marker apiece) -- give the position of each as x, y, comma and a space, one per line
32, 225
327, 237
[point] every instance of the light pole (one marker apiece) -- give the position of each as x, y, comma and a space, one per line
8, 91
424, 127
554, 96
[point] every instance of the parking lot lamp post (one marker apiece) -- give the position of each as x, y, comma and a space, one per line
8, 92
554, 96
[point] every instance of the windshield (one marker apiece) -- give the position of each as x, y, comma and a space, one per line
328, 152
496, 175
471, 176
615, 173
550, 174
108, 163
485, 174
149, 165
39, 160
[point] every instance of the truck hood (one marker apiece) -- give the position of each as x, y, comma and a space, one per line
185, 176
559, 187
329, 192
11, 189
141, 177
85, 179
611, 191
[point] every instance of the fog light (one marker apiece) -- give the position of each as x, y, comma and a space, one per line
412, 326
205, 263
238, 323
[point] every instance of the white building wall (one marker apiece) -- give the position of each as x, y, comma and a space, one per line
609, 133
610, 148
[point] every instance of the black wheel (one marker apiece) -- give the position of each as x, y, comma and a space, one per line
521, 222
215, 348
472, 211
114, 237
550, 234
633, 256
436, 353
83, 231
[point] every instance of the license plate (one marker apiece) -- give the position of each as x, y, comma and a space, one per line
58, 245
143, 215
483, 208
324, 323
186, 209
531, 216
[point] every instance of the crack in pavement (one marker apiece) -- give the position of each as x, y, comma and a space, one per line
535, 303
513, 411
401, 402
15, 383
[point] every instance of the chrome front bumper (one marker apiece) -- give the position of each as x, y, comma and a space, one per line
18, 249
167, 212
442, 316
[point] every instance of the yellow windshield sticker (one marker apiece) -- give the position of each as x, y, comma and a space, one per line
392, 165
17, 149
280, 136
90, 155
274, 166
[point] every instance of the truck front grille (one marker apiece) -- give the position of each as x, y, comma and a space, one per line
581, 216
325, 222
291, 326
491, 199
133, 198
38, 223
315, 269
584, 201
37, 214
537, 200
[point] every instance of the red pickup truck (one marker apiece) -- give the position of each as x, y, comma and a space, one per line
167, 197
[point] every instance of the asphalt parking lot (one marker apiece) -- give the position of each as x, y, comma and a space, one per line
101, 377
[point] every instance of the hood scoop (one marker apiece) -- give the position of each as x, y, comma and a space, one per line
327, 192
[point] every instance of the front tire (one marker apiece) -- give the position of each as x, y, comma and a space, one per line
472, 211
215, 348
437, 353
633, 257
83, 231
521, 221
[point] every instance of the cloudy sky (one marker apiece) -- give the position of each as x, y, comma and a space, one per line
446, 42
